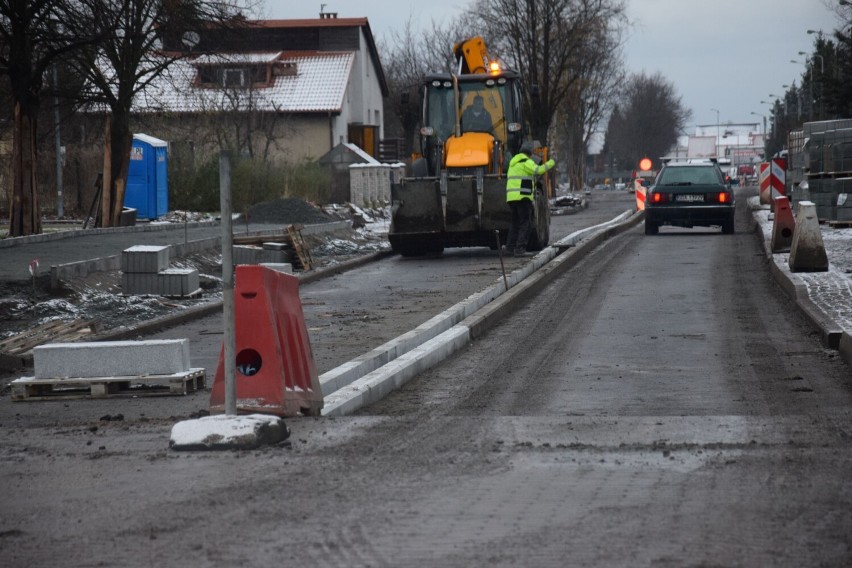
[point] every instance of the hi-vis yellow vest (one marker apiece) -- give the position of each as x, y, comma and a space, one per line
521, 174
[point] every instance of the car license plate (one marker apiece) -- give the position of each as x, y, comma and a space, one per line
690, 198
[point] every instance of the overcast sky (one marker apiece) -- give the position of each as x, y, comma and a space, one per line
722, 54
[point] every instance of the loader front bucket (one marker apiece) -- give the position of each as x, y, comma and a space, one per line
417, 217
425, 220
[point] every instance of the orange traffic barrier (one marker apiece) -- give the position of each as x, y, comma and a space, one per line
783, 225
276, 373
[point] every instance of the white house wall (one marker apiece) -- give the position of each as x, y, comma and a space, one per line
362, 99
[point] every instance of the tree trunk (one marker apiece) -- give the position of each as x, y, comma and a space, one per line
122, 141
117, 144
25, 215
577, 156
106, 193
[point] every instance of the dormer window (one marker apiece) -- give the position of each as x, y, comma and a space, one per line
241, 71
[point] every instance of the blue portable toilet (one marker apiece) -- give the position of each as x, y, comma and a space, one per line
147, 188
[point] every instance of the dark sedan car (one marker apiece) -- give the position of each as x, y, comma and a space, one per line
688, 194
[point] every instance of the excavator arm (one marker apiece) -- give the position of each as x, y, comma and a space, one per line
472, 56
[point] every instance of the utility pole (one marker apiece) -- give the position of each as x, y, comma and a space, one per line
60, 205
717, 132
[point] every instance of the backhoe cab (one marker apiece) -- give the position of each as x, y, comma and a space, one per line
456, 192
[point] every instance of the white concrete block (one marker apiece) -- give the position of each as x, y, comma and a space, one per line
145, 258
275, 246
178, 282
807, 253
111, 358
284, 267
141, 283
254, 255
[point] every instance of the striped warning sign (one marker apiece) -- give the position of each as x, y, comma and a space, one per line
640, 197
778, 175
763, 181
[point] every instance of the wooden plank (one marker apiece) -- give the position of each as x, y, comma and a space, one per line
52, 331
11, 342
178, 384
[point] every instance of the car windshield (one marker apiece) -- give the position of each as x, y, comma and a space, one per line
689, 175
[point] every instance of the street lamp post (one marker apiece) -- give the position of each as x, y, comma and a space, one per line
764, 131
716, 146
811, 84
821, 77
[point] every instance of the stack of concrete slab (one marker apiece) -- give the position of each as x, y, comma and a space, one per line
828, 168
145, 271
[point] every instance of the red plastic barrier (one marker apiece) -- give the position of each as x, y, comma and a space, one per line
783, 225
276, 373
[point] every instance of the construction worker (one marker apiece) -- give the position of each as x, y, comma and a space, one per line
519, 196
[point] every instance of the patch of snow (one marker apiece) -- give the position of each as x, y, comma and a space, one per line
221, 429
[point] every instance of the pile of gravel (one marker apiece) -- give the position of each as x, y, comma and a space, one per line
287, 210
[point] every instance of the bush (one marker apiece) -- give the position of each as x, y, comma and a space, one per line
308, 181
252, 181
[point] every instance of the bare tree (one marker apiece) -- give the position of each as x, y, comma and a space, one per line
543, 40
405, 66
34, 34
128, 60
600, 69
409, 55
647, 120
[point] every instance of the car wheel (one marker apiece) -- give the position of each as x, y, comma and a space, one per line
728, 227
651, 228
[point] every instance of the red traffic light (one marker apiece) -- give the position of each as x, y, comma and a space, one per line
645, 164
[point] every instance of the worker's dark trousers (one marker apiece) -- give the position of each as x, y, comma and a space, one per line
519, 232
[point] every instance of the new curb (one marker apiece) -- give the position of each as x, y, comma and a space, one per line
525, 282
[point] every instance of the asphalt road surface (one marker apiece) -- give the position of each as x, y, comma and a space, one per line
661, 404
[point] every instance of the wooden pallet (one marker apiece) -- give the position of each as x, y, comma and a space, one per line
177, 384
303, 253
50, 332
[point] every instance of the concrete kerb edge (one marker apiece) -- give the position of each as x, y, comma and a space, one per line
376, 384
845, 348
831, 334
343, 375
60, 272
72, 233
353, 370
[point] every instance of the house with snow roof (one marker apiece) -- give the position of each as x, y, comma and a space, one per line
293, 89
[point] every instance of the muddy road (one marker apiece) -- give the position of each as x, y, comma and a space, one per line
658, 404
